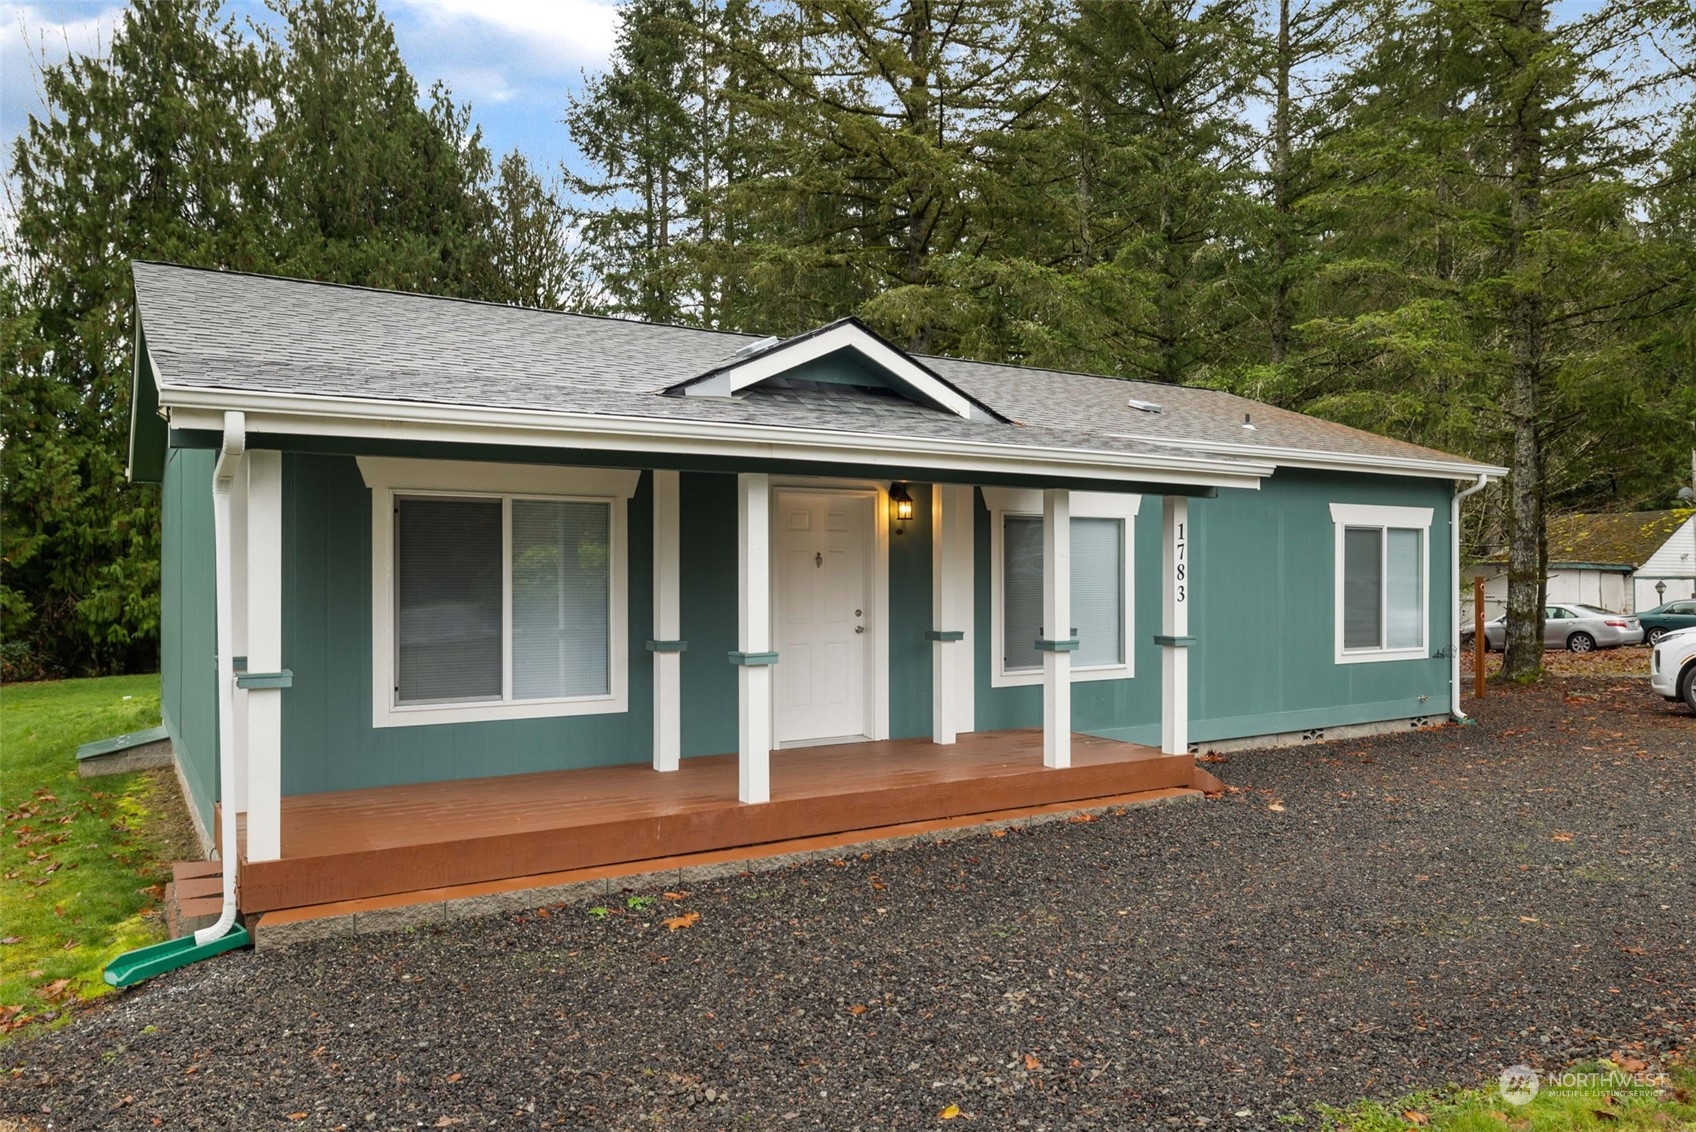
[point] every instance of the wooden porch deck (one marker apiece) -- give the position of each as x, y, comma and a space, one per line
355, 844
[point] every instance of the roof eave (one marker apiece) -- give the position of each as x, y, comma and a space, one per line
1320, 460
307, 415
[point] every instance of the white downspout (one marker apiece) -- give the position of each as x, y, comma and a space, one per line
1454, 545
223, 476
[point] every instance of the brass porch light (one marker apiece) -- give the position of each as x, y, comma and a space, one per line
901, 506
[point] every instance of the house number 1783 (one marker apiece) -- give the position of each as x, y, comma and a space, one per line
1180, 568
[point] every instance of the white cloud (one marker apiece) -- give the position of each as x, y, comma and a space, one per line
556, 35
33, 35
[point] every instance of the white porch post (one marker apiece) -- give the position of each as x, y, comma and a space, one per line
238, 630
667, 644
1057, 643
264, 679
754, 656
1174, 636
951, 611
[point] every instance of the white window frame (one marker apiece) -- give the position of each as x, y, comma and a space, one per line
388, 478
1346, 515
1027, 503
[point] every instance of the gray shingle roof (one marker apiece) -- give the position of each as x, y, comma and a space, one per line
254, 333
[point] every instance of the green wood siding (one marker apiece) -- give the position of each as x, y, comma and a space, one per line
188, 624
707, 591
328, 740
1264, 615
1263, 568
1264, 659
910, 653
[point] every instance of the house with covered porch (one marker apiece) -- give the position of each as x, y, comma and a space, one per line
457, 594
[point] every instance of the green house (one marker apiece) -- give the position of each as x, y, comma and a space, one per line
457, 593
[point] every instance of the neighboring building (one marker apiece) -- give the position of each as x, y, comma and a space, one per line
513, 591
1610, 561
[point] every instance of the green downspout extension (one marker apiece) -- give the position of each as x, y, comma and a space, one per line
145, 962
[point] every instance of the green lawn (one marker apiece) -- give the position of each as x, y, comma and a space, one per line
83, 861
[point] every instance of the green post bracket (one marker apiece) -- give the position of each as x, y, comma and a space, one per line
945, 634
250, 680
1175, 642
1057, 646
668, 646
753, 659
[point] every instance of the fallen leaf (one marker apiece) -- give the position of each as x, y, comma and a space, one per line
676, 895
1276, 807
1031, 1062
71, 945
1528, 919
949, 1113
1561, 837
452, 1077
1634, 950
687, 920
447, 1121
1628, 1063
54, 989
1414, 1116
11, 939
297, 1116
1079, 819
992, 833
856, 1010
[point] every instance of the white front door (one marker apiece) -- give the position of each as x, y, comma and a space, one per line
823, 554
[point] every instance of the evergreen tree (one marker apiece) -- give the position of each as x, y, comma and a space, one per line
365, 186
146, 153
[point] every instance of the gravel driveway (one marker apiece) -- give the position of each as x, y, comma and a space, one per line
1358, 918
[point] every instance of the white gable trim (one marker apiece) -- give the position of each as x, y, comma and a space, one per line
847, 336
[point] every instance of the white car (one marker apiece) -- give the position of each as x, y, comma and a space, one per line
1672, 667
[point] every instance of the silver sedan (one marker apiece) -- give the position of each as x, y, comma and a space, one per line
1577, 628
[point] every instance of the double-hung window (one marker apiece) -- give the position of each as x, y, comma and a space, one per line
498, 591
1382, 582
1102, 530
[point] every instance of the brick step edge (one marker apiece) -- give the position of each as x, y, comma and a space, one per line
185, 915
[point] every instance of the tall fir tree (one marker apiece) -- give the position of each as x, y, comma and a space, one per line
145, 153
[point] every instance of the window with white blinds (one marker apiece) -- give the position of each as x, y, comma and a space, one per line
1383, 588
1098, 593
448, 600
501, 599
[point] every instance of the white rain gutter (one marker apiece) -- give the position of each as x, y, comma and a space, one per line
1454, 545
223, 478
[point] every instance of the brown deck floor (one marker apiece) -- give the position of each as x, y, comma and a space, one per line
360, 843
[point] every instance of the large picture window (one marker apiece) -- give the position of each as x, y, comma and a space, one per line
1101, 585
1383, 581
494, 598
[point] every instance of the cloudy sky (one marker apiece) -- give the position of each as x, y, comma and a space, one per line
516, 61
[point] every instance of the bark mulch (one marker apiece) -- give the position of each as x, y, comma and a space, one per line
1358, 918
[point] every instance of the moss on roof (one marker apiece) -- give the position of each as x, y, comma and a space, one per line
1621, 539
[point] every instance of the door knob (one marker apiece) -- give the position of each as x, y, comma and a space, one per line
859, 628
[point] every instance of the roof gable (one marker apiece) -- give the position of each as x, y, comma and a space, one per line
846, 352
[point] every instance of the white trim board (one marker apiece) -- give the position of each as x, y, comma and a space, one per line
390, 477
365, 418
1345, 515
1027, 502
